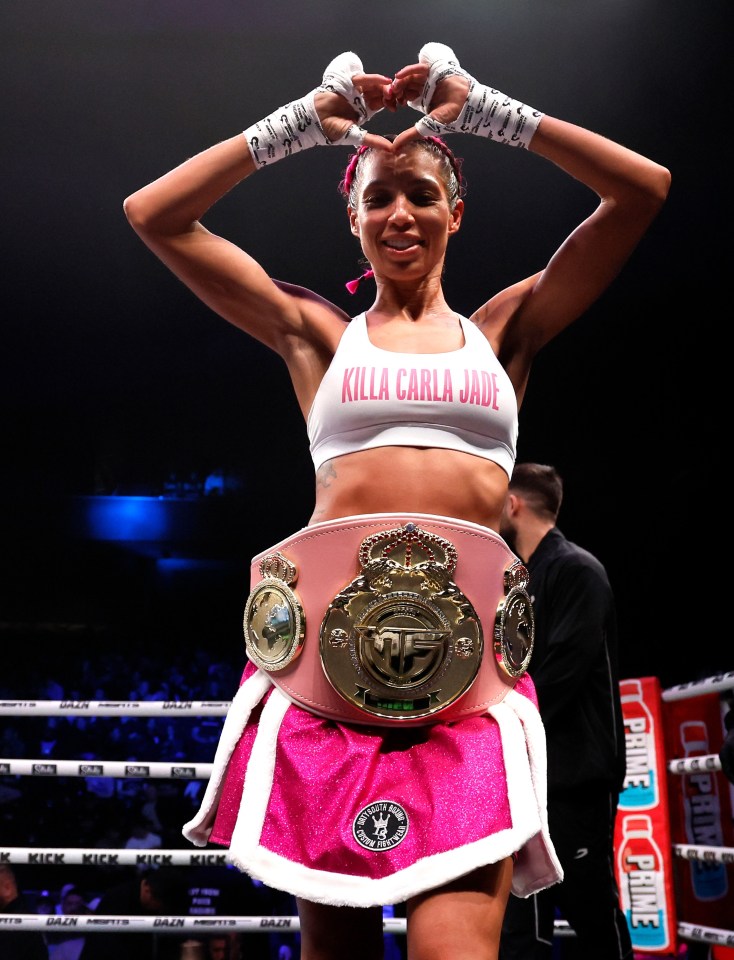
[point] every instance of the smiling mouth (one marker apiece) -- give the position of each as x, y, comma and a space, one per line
402, 245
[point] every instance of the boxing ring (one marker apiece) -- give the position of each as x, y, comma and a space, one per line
649, 888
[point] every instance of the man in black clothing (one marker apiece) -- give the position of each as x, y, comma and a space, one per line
574, 668
17, 944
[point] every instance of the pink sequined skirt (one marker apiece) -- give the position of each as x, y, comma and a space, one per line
354, 815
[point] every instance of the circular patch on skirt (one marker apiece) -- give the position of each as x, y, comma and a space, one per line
381, 825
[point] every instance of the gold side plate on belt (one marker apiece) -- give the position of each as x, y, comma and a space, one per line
514, 629
401, 640
274, 623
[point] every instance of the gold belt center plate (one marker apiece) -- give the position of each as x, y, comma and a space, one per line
401, 640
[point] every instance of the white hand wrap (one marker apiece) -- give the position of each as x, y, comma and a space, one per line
486, 112
295, 126
338, 79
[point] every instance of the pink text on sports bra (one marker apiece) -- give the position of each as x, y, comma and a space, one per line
424, 383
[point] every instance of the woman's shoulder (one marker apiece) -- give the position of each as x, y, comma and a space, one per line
310, 297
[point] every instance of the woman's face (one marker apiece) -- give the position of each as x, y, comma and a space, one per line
403, 218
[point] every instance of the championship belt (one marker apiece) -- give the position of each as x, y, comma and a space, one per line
401, 641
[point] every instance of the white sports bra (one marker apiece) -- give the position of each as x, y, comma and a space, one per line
460, 400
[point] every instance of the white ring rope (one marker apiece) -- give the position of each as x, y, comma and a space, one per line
700, 764
122, 857
694, 931
113, 708
202, 771
696, 688
112, 856
690, 851
105, 768
101, 923
11, 766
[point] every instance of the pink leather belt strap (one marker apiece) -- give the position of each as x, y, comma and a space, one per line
325, 559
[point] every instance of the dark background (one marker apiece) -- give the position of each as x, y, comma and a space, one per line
113, 375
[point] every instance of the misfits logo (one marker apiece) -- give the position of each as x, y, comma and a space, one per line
381, 825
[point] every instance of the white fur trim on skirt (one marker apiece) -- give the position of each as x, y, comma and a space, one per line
523, 746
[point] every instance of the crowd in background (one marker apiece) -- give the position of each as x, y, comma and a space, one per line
110, 813
104, 811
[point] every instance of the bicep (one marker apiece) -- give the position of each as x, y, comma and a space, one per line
520, 320
296, 323
580, 270
231, 282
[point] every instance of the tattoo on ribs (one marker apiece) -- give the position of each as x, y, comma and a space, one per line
325, 475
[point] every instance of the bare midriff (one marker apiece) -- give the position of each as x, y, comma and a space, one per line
415, 479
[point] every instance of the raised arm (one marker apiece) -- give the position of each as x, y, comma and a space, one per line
166, 213
631, 190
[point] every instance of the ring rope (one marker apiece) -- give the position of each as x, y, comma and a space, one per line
702, 764
715, 684
105, 768
11, 766
689, 851
113, 708
195, 771
96, 856
219, 708
697, 688
694, 931
101, 923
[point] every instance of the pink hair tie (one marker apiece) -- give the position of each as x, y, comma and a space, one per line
353, 284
